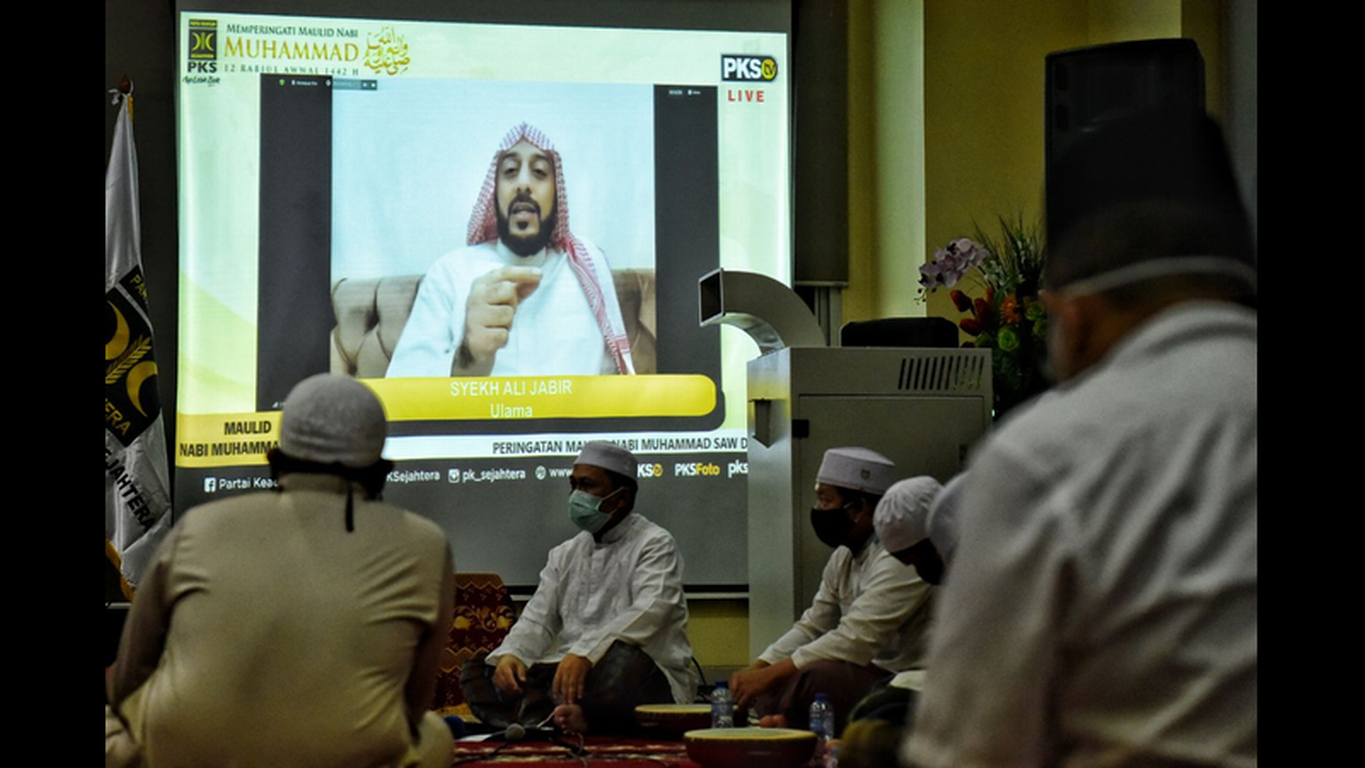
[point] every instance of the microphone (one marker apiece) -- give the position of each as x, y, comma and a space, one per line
517, 731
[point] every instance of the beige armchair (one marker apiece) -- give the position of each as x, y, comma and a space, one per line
371, 313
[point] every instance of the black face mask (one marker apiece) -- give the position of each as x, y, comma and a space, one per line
927, 562
831, 526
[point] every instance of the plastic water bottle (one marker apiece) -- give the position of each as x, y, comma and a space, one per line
722, 706
822, 724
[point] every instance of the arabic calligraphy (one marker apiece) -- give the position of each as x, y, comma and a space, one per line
387, 52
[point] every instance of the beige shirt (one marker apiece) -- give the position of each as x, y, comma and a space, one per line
870, 609
266, 634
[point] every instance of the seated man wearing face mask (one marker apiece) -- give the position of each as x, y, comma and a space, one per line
904, 522
868, 619
607, 627
916, 523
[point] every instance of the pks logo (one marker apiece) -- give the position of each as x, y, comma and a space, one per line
131, 402
748, 68
202, 46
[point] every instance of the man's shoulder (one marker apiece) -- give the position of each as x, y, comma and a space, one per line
840, 562
416, 526
596, 255
880, 561
570, 547
1186, 370
650, 529
227, 511
651, 538
589, 245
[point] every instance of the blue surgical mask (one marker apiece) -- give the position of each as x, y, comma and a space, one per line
585, 510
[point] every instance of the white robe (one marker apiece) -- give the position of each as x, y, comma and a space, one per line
554, 331
870, 609
628, 588
1101, 607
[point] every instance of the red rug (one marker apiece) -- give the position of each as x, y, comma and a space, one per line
598, 751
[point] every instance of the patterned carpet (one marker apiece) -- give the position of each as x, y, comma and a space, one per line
483, 614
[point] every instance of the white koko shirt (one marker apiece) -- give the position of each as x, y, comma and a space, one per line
628, 588
870, 609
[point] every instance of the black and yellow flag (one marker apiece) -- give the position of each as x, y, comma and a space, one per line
136, 497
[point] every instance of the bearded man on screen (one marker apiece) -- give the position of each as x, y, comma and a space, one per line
525, 297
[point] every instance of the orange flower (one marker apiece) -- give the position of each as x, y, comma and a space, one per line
1009, 309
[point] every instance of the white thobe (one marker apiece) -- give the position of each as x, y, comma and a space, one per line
1101, 607
870, 609
554, 331
628, 588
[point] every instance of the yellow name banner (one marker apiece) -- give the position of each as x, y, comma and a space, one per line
242, 439
545, 397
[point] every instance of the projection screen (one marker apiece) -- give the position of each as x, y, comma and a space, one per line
340, 193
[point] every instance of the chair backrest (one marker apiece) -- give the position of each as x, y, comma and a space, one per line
370, 315
483, 615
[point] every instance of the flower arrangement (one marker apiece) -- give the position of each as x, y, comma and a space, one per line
1007, 318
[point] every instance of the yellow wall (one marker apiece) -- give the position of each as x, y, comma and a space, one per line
719, 632
1202, 21
1112, 21
984, 99
886, 158
983, 113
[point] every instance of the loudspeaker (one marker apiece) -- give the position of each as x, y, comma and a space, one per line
1087, 87
935, 332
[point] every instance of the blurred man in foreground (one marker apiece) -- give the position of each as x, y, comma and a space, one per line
1102, 604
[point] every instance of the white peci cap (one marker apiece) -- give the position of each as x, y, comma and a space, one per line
858, 469
609, 456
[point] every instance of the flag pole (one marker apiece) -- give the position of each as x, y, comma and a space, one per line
123, 92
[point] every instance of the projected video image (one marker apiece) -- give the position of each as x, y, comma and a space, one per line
510, 224
417, 231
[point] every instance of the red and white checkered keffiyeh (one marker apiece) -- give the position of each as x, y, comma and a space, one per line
483, 228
